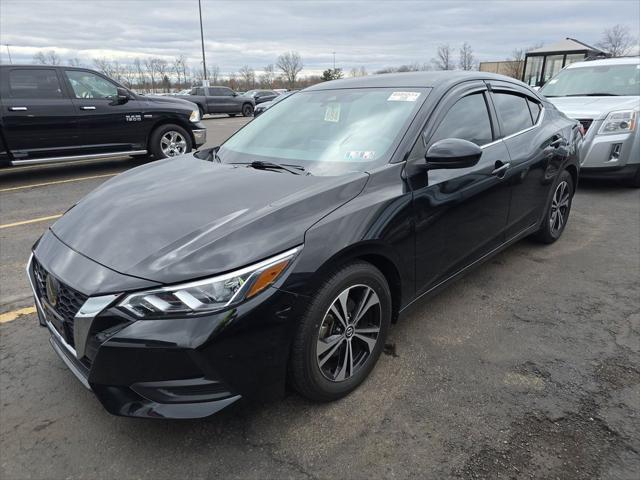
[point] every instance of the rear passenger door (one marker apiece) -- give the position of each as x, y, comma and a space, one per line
535, 148
37, 115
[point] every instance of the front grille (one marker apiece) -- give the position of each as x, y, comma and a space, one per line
66, 303
586, 123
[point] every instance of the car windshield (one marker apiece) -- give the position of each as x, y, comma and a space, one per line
328, 132
596, 80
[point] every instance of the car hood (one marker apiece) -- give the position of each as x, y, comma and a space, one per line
592, 107
184, 218
178, 101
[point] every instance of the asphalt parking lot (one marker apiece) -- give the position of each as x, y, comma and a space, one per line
529, 367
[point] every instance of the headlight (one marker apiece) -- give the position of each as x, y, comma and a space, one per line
210, 295
619, 122
195, 116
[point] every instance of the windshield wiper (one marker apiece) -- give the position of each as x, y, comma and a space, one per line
260, 165
593, 95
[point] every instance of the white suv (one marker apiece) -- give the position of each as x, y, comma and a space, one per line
604, 95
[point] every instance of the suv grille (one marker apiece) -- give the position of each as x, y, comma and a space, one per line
586, 123
66, 303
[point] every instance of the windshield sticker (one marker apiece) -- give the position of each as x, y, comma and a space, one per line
403, 97
332, 113
360, 155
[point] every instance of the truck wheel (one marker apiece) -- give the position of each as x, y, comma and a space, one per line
169, 141
247, 110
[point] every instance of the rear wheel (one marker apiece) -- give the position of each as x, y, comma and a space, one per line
169, 141
247, 110
557, 213
342, 334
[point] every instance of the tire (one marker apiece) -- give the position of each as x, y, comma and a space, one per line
634, 182
328, 376
158, 143
247, 110
555, 218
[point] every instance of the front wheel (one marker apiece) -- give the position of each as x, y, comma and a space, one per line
557, 213
341, 335
247, 110
169, 141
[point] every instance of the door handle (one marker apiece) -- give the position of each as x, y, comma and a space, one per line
90, 107
501, 169
18, 109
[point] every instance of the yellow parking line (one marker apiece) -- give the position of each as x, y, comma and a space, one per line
56, 182
33, 220
9, 316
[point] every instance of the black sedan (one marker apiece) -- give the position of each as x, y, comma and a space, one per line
264, 106
284, 255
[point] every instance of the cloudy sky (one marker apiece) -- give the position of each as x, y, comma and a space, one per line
367, 33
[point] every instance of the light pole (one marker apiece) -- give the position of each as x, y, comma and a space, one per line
9, 52
204, 62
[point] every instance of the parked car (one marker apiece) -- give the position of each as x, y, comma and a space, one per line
261, 96
285, 254
264, 106
52, 114
220, 100
604, 95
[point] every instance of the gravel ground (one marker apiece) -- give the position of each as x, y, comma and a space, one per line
529, 367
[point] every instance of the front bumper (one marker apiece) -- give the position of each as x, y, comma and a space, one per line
177, 368
199, 137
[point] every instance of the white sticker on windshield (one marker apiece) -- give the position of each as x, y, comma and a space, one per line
360, 155
403, 97
332, 113
551, 82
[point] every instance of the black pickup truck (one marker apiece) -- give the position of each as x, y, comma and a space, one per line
220, 100
53, 114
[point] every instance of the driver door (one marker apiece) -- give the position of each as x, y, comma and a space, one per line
102, 125
460, 214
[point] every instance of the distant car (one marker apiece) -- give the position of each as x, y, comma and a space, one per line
263, 107
261, 96
220, 100
604, 95
55, 114
282, 256
280, 90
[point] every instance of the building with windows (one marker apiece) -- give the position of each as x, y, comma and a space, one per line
543, 63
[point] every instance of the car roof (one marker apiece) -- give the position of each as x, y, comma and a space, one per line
412, 80
607, 61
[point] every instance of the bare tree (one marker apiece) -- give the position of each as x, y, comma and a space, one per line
516, 61
137, 65
178, 67
467, 61
358, 72
443, 60
233, 82
74, 62
268, 76
290, 64
104, 65
150, 65
214, 74
162, 66
616, 41
47, 58
248, 76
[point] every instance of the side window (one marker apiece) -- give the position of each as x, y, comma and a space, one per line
227, 92
34, 83
90, 85
468, 119
535, 108
200, 91
513, 112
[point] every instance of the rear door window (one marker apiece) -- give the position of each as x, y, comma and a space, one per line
34, 83
513, 112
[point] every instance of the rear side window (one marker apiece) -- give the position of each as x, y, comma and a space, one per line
34, 83
513, 112
535, 108
468, 119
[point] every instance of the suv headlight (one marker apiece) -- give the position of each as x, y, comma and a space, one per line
209, 295
621, 121
195, 116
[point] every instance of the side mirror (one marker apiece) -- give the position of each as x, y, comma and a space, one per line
452, 153
122, 96
235, 94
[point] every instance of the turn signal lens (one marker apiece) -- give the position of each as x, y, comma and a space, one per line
266, 278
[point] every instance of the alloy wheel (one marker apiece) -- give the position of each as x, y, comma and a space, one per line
559, 208
348, 333
173, 143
